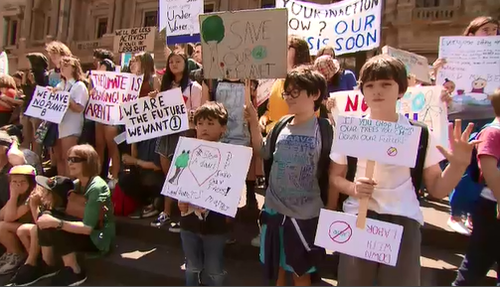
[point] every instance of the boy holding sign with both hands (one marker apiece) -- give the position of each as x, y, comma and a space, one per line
391, 195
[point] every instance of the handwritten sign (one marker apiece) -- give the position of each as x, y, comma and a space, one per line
4, 63
208, 174
415, 64
48, 106
135, 40
472, 71
149, 118
264, 90
390, 143
421, 104
111, 89
349, 26
379, 241
248, 44
180, 18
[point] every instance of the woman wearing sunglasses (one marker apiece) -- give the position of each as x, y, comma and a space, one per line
90, 225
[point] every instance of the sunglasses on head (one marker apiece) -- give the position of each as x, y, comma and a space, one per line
74, 159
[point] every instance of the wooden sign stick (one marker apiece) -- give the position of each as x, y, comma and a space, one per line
363, 203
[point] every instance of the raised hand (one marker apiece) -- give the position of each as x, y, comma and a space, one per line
460, 148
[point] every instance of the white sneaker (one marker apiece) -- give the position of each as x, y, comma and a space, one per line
458, 226
10, 263
256, 241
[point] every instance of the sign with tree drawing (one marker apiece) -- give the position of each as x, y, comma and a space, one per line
210, 175
249, 44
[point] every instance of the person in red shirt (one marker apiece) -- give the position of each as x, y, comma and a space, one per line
484, 247
8, 95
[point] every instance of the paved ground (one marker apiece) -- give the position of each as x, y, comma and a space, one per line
149, 256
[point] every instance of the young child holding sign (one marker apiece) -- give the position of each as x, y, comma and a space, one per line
391, 193
294, 195
203, 232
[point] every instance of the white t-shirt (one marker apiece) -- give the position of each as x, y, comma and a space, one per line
394, 193
72, 123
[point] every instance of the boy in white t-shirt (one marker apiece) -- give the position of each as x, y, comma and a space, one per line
392, 196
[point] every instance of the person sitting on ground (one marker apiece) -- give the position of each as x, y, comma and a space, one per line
53, 198
14, 214
88, 224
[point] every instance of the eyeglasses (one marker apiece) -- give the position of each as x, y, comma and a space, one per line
293, 94
74, 159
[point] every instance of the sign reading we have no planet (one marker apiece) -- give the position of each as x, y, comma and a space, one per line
48, 106
152, 117
134, 40
248, 44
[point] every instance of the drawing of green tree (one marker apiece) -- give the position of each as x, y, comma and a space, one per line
212, 32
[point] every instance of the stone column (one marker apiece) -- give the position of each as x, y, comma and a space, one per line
117, 23
72, 20
111, 16
54, 19
63, 23
28, 16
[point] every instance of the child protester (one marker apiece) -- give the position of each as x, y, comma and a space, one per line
391, 193
203, 232
484, 251
294, 196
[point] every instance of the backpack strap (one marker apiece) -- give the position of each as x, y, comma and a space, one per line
271, 141
417, 172
326, 131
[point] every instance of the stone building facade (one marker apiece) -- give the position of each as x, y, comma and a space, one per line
413, 25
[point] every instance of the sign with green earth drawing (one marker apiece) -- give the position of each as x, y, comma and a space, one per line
249, 44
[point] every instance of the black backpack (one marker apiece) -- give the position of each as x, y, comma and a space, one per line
326, 131
416, 172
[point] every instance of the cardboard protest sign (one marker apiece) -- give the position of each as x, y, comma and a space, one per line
149, 117
210, 175
48, 106
348, 26
248, 44
390, 143
472, 71
180, 19
415, 64
111, 89
135, 40
4, 63
379, 241
264, 90
418, 103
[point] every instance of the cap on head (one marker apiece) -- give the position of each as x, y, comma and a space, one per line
23, 170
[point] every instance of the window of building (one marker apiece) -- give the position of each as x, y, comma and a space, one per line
267, 4
150, 19
10, 38
209, 8
102, 27
433, 3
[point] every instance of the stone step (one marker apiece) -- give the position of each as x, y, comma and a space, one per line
135, 262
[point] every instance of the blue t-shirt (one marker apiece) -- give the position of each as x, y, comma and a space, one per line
347, 83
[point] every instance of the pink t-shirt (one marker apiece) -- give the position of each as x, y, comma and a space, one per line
489, 146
